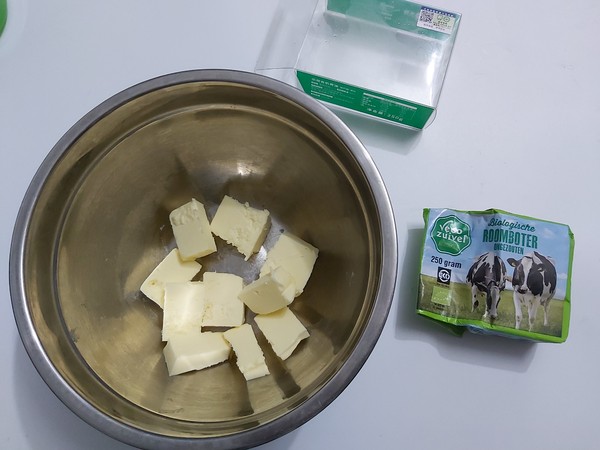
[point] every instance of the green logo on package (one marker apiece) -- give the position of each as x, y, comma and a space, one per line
451, 235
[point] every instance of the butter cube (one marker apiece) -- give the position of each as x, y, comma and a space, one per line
192, 231
183, 308
172, 269
241, 225
250, 358
283, 330
295, 256
223, 307
195, 351
269, 293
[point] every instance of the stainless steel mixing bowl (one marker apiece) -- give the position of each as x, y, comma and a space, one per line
94, 223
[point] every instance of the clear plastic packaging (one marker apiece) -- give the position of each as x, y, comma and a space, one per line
383, 59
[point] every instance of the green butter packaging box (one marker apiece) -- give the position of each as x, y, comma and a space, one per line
496, 272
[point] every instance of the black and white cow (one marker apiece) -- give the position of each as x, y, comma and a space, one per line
487, 275
534, 284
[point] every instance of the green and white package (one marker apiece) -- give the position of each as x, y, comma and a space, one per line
496, 272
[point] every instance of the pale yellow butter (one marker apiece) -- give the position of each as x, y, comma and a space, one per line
250, 358
195, 351
170, 270
183, 308
295, 256
269, 293
241, 225
223, 307
283, 330
192, 231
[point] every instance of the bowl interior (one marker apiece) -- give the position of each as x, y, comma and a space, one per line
100, 226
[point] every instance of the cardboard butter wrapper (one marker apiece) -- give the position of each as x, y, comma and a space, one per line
495, 272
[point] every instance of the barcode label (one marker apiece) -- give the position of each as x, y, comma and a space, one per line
436, 20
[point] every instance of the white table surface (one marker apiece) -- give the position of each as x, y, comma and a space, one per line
518, 128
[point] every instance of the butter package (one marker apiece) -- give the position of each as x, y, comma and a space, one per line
496, 272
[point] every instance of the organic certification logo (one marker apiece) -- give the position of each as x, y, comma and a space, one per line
444, 275
451, 235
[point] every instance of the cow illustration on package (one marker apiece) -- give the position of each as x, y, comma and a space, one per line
534, 284
487, 275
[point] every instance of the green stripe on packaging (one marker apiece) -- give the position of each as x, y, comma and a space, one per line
495, 328
3, 15
365, 101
